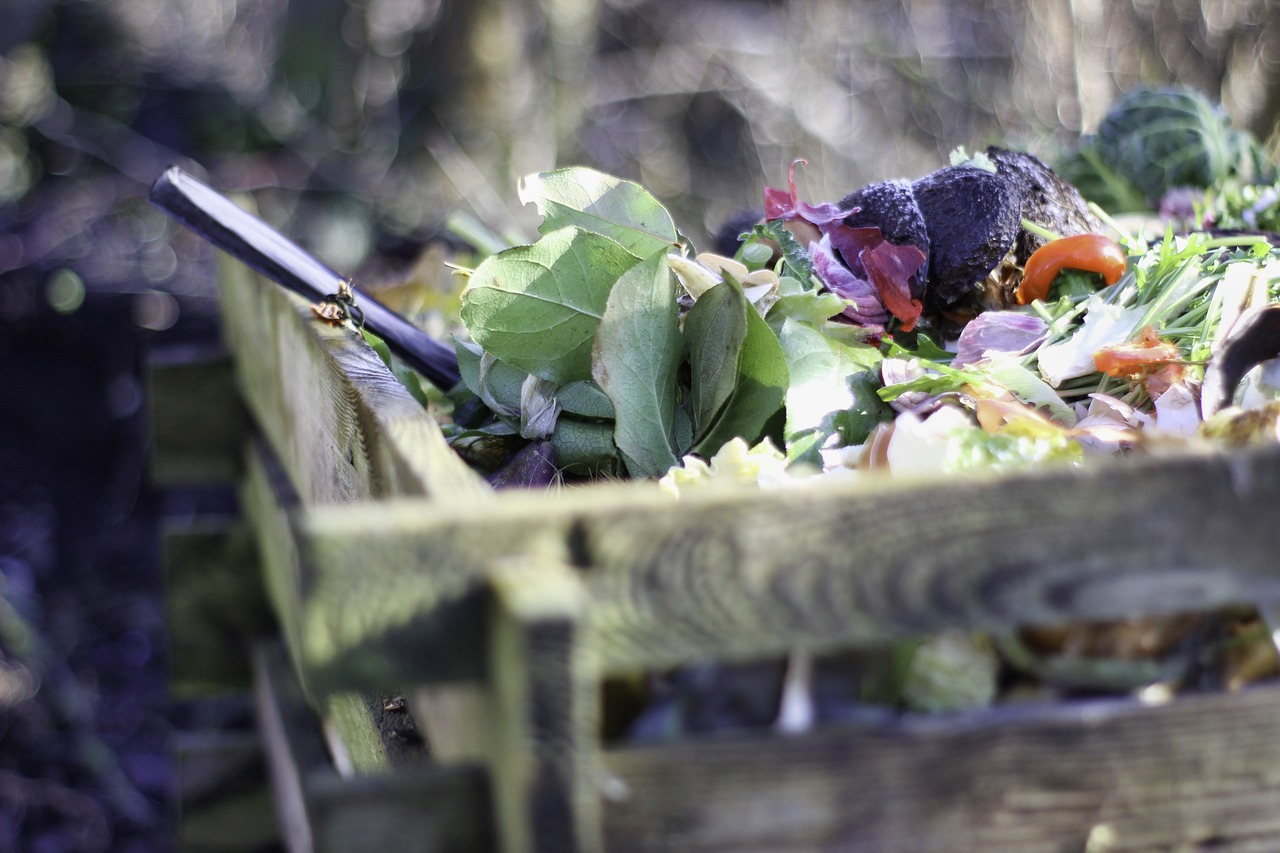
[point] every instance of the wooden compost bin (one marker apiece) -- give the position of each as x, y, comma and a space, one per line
391, 567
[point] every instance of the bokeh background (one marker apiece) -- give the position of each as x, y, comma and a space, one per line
369, 130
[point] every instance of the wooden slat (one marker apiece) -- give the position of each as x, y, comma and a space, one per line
223, 799
1200, 773
543, 713
216, 606
827, 564
453, 645
198, 423
342, 425
422, 809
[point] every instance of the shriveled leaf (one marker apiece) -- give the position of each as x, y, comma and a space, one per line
594, 201
539, 408
638, 351
538, 307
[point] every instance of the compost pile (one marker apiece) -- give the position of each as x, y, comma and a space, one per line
986, 316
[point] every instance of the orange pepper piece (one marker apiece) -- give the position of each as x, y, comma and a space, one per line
1088, 252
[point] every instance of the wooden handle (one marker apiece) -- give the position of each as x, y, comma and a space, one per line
255, 243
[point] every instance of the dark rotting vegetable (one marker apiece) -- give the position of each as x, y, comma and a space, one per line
1253, 339
1047, 199
973, 218
891, 207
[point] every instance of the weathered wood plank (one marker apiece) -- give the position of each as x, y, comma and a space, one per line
198, 423
342, 425
352, 731
543, 713
216, 608
427, 808
827, 564
224, 802
455, 645
269, 502
1202, 772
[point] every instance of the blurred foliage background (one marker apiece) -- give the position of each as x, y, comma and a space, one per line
369, 121
362, 126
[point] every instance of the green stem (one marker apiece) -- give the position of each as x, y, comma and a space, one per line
1039, 230
1237, 241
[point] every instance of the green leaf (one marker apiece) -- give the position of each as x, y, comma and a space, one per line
796, 256
594, 201
584, 447
538, 307
821, 369
714, 331
637, 354
1008, 371
585, 399
925, 350
808, 306
760, 386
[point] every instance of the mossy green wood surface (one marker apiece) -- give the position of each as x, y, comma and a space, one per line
216, 606
1199, 773
357, 735
343, 427
827, 564
429, 809
198, 423
340, 424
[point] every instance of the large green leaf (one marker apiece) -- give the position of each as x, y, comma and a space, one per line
822, 373
597, 202
538, 307
760, 377
637, 354
714, 331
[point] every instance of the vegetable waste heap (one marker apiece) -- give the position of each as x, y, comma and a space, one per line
984, 316
980, 315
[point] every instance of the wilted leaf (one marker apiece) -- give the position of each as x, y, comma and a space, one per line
597, 202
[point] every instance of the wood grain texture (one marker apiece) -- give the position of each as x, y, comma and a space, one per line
216, 608
349, 723
269, 504
423, 809
198, 423
343, 427
543, 714
1201, 773
829, 564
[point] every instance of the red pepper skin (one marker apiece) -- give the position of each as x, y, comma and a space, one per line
1088, 252
1139, 356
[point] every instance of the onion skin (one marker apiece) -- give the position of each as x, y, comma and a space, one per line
1095, 253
